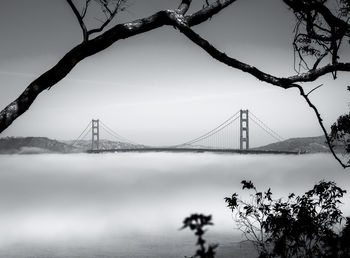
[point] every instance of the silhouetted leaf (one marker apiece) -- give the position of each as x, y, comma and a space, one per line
247, 184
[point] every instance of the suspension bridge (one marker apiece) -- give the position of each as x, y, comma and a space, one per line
223, 138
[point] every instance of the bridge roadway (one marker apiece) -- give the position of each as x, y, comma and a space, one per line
194, 150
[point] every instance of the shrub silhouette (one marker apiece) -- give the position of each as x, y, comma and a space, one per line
299, 226
196, 223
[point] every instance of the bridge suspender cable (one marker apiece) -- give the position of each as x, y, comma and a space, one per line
116, 135
112, 133
217, 137
80, 138
214, 132
273, 136
263, 126
211, 132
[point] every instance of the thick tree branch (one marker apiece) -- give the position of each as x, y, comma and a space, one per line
234, 63
320, 30
207, 12
183, 7
306, 6
331, 19
174, 18
285, 83
91, 47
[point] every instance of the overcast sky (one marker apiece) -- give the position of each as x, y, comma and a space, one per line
158, 88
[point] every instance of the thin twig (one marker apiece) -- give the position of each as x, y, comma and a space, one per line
320, 121
314, 89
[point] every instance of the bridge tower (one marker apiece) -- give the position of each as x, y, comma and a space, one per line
244, 130
95, 140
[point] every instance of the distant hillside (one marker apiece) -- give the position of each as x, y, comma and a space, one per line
36, 145
32, 145
84, 145
304, 145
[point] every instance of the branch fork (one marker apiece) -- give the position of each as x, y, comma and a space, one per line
184, 23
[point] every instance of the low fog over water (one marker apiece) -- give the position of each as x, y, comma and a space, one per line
132, 205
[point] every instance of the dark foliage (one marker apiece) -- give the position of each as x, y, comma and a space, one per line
321, 29
196, 223
299, 226
340, 131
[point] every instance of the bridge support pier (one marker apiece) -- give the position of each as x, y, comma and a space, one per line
244, 130
95, 132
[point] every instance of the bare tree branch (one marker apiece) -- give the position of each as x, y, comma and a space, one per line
110, 16
207, 12
313, 89
80, 18
307, 5
320, 121
91, 47
109, 10
234, 63
183, 23
183, 7
85, 9
320, 30
285, 83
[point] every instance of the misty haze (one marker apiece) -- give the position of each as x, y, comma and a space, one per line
132, 205
163, 128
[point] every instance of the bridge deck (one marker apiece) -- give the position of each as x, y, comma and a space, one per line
252, 151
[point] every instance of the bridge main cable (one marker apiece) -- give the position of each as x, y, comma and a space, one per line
211, 132
217, 131
267, 129
79, 137
117, 136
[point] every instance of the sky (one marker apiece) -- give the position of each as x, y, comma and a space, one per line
159, 88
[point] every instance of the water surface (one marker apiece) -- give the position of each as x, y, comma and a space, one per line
133, 204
